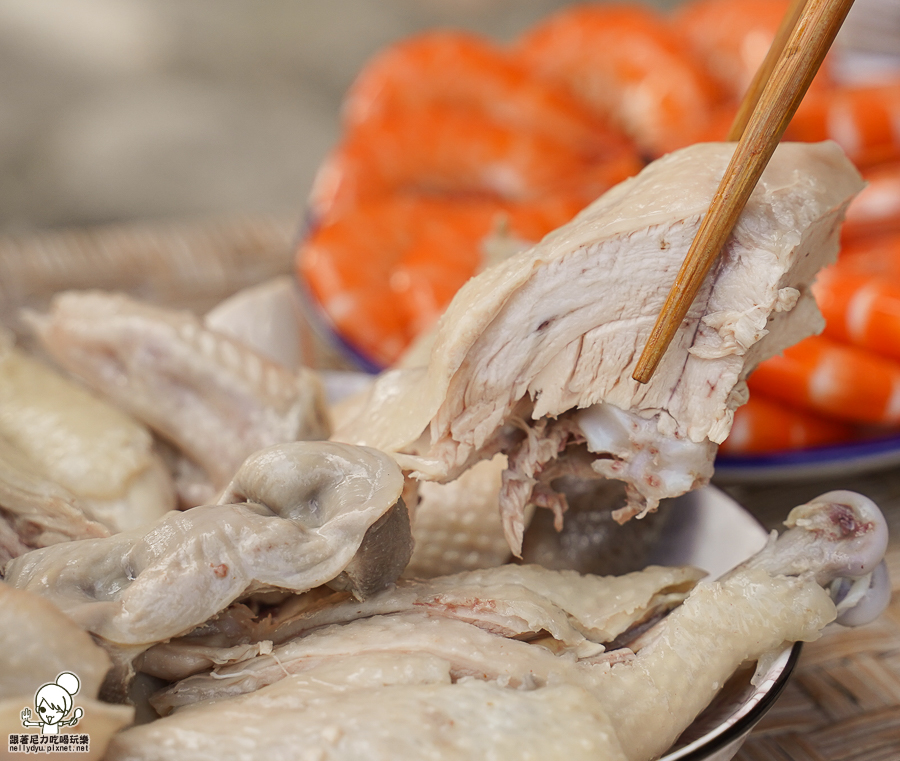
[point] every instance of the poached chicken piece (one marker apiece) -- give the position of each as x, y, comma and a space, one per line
511, 600
35, 511
456, 525
37, 644
296, 516
72, 466
534, 356
422, 682
214, 398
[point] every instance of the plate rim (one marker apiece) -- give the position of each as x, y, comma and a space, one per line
712, 742
845, 459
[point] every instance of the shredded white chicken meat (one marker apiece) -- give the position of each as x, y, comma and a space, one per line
558, 328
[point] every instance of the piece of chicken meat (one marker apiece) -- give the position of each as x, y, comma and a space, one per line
420, 683
523, 602
296, 516
38, 643
534, 356
211, 396
72, 465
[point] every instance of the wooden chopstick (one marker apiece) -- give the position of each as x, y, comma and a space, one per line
764, 72
798, 63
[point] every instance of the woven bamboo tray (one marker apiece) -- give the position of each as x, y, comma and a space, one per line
843, 700
183, 265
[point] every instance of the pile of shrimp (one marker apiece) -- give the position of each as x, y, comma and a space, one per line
449, 138
843, 385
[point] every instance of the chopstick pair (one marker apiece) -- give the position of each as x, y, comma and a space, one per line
804, 37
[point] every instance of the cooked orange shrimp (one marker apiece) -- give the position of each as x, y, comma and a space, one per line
718, 125
466, 71
833, 379
425, 281
860, 296
625, 61
861, 309
872, 255
766, 425
876, 209
347, 267
440, 259
385, 270
864, 120
731, 38
444, 150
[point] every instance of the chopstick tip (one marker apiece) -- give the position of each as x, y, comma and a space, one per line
646, 366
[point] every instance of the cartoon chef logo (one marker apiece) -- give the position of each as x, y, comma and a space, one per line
52, 704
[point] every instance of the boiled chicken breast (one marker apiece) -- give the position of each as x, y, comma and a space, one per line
534, 356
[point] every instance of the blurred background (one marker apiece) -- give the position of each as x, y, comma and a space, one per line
116, 110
